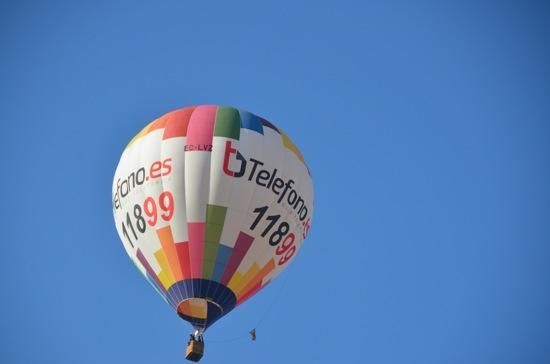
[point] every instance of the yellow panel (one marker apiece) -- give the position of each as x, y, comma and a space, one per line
254, 269
164, 279
143, 132
165, 270
234, 281
290, 145
257, 278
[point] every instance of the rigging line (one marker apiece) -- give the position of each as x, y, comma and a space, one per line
236, 338
270, 307
246, 336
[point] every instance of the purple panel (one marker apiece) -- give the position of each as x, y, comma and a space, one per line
243, 243
149, 269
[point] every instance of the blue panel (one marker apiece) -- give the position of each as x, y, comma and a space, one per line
251, 121
213, 313
224, 252
269, 125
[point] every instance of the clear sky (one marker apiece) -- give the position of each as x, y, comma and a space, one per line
426, 126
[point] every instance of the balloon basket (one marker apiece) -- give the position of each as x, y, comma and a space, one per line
194, 350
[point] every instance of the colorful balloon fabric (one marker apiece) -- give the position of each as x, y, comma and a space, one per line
211, 203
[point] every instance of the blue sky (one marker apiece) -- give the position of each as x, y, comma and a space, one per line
426, 128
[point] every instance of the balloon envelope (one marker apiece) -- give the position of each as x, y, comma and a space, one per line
211, 203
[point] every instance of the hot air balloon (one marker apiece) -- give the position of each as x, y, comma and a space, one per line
211, 204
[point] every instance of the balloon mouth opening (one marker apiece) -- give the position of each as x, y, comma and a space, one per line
197, 307
202, 301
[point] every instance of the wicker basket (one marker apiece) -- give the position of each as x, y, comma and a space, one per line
194, 350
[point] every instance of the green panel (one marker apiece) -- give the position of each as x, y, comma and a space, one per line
215, 217
228, 123
210, 252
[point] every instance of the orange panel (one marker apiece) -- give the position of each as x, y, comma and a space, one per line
167, 242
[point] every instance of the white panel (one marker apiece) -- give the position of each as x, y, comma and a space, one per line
197, 175
173, 153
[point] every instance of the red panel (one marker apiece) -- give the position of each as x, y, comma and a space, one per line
177, 122
196, 247
159, 123
182, 250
